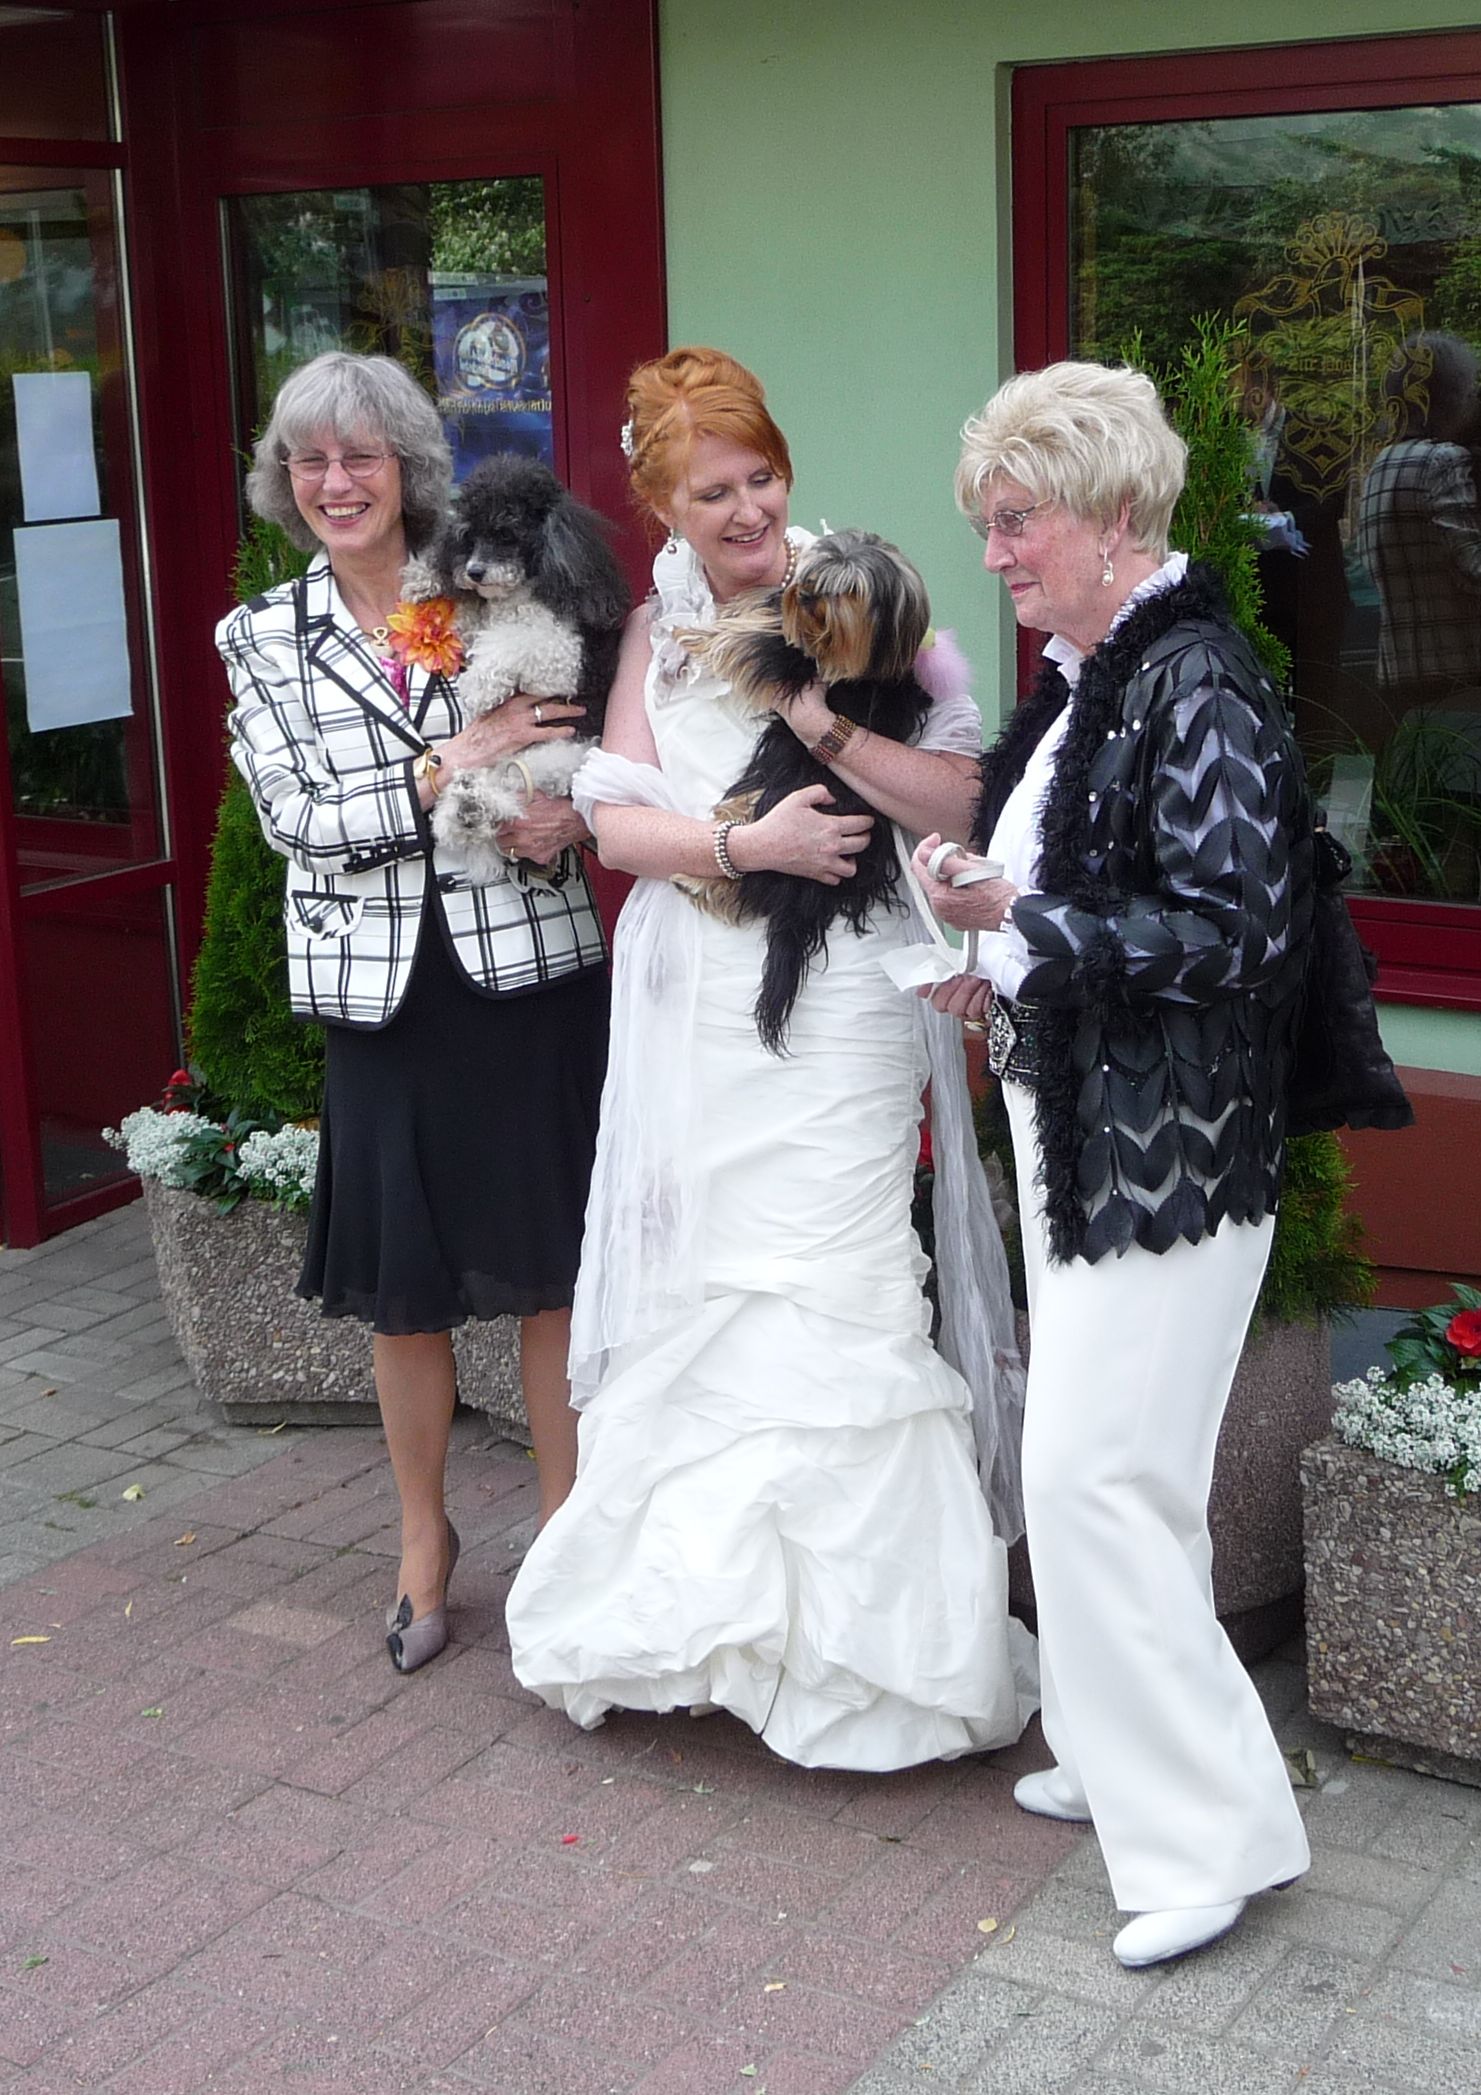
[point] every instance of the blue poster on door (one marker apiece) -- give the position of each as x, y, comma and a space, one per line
491, 356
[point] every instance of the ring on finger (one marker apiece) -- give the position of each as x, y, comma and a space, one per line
539, 717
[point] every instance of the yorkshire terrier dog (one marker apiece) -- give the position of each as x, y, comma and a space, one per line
854, 619
540, 603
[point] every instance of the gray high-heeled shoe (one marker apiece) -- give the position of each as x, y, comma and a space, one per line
412, 1643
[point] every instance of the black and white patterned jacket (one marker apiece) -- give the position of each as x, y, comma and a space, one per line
326, 748
1169, 935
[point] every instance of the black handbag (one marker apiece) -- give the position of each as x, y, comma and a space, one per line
1341, 1074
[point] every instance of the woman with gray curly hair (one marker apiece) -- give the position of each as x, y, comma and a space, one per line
1148, 812
466, 1021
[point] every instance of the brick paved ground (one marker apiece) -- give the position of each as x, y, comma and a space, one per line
241, 1854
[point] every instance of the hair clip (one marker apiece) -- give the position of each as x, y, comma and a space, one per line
626, 440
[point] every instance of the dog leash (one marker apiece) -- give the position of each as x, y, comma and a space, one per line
980, 869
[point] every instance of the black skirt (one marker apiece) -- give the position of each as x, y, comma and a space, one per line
455, 1149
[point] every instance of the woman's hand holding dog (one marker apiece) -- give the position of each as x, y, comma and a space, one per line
495, 737
798, 837
545, 829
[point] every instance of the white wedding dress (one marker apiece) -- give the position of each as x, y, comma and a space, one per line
777, 1507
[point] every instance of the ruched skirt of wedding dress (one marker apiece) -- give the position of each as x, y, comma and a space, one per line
776, 1507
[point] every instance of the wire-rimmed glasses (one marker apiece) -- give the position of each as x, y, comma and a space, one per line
311, 466
1008, 522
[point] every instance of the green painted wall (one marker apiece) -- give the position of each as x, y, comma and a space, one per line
835, 176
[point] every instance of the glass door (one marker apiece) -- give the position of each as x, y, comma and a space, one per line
85, 874
447, 277
1346, 248
1324, 201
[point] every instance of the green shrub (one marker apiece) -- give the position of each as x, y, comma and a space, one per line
1316, 1268
253, 1054
1211, 520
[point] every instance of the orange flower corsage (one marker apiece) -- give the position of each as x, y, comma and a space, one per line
424, 634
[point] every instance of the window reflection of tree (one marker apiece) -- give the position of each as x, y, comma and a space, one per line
1174, 220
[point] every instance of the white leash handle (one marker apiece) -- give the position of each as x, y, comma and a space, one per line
971, 875
963, 959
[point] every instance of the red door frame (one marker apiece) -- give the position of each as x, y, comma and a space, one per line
583, 114
26, 1214
1429, 952
593, 135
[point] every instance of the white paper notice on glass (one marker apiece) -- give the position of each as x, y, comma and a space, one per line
54, 436
74, 632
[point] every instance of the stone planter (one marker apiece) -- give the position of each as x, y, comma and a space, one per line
1393, 1610
263, 1355
1281, 1400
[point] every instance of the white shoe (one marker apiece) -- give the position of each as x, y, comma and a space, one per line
1050, 1795
1154, 1937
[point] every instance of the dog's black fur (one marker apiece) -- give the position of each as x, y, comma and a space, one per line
513, 509
771, 648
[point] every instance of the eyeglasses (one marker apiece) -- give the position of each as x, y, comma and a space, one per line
311, 466
1009, 522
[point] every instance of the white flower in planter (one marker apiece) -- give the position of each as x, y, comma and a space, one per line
281, 1167
154, 1143
1430, 1426
1424, 1410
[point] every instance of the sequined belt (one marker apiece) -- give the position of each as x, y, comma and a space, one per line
1015, 1040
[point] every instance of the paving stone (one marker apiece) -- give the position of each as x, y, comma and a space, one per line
1445, 1941
1405, 2057
1305, 1998
1372, 1879
1335, 1923
70, 1467
1171, 2059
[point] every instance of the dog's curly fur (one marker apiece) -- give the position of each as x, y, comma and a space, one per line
854, 618
540, 604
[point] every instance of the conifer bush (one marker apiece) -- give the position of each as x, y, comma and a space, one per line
249, 1050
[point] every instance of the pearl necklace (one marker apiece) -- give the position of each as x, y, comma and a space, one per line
790, 571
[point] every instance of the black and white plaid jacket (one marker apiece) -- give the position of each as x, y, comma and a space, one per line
1419, 532
326, 748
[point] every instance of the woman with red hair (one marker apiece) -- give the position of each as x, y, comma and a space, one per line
777, 1508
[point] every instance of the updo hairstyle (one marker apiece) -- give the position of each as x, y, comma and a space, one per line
692, 393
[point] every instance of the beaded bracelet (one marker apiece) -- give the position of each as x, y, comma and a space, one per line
831, 745
723, 858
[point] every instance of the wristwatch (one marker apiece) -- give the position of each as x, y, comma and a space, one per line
425, 766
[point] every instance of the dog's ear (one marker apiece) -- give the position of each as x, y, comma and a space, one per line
430, 572
578, 577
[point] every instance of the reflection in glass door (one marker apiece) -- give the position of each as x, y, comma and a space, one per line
85, 878
1347, 248
447, 277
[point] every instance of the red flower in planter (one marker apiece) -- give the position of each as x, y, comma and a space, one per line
1464, 1333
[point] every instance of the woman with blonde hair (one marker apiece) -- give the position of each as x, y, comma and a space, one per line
1148, 807
776, 1508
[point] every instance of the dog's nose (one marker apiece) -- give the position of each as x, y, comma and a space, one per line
475, 570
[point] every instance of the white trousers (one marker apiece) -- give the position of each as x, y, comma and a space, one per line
1146, 1708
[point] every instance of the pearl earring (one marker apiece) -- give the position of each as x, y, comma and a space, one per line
671, 544
1107, 573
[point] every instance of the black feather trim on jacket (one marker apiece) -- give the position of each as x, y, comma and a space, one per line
1168, 930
